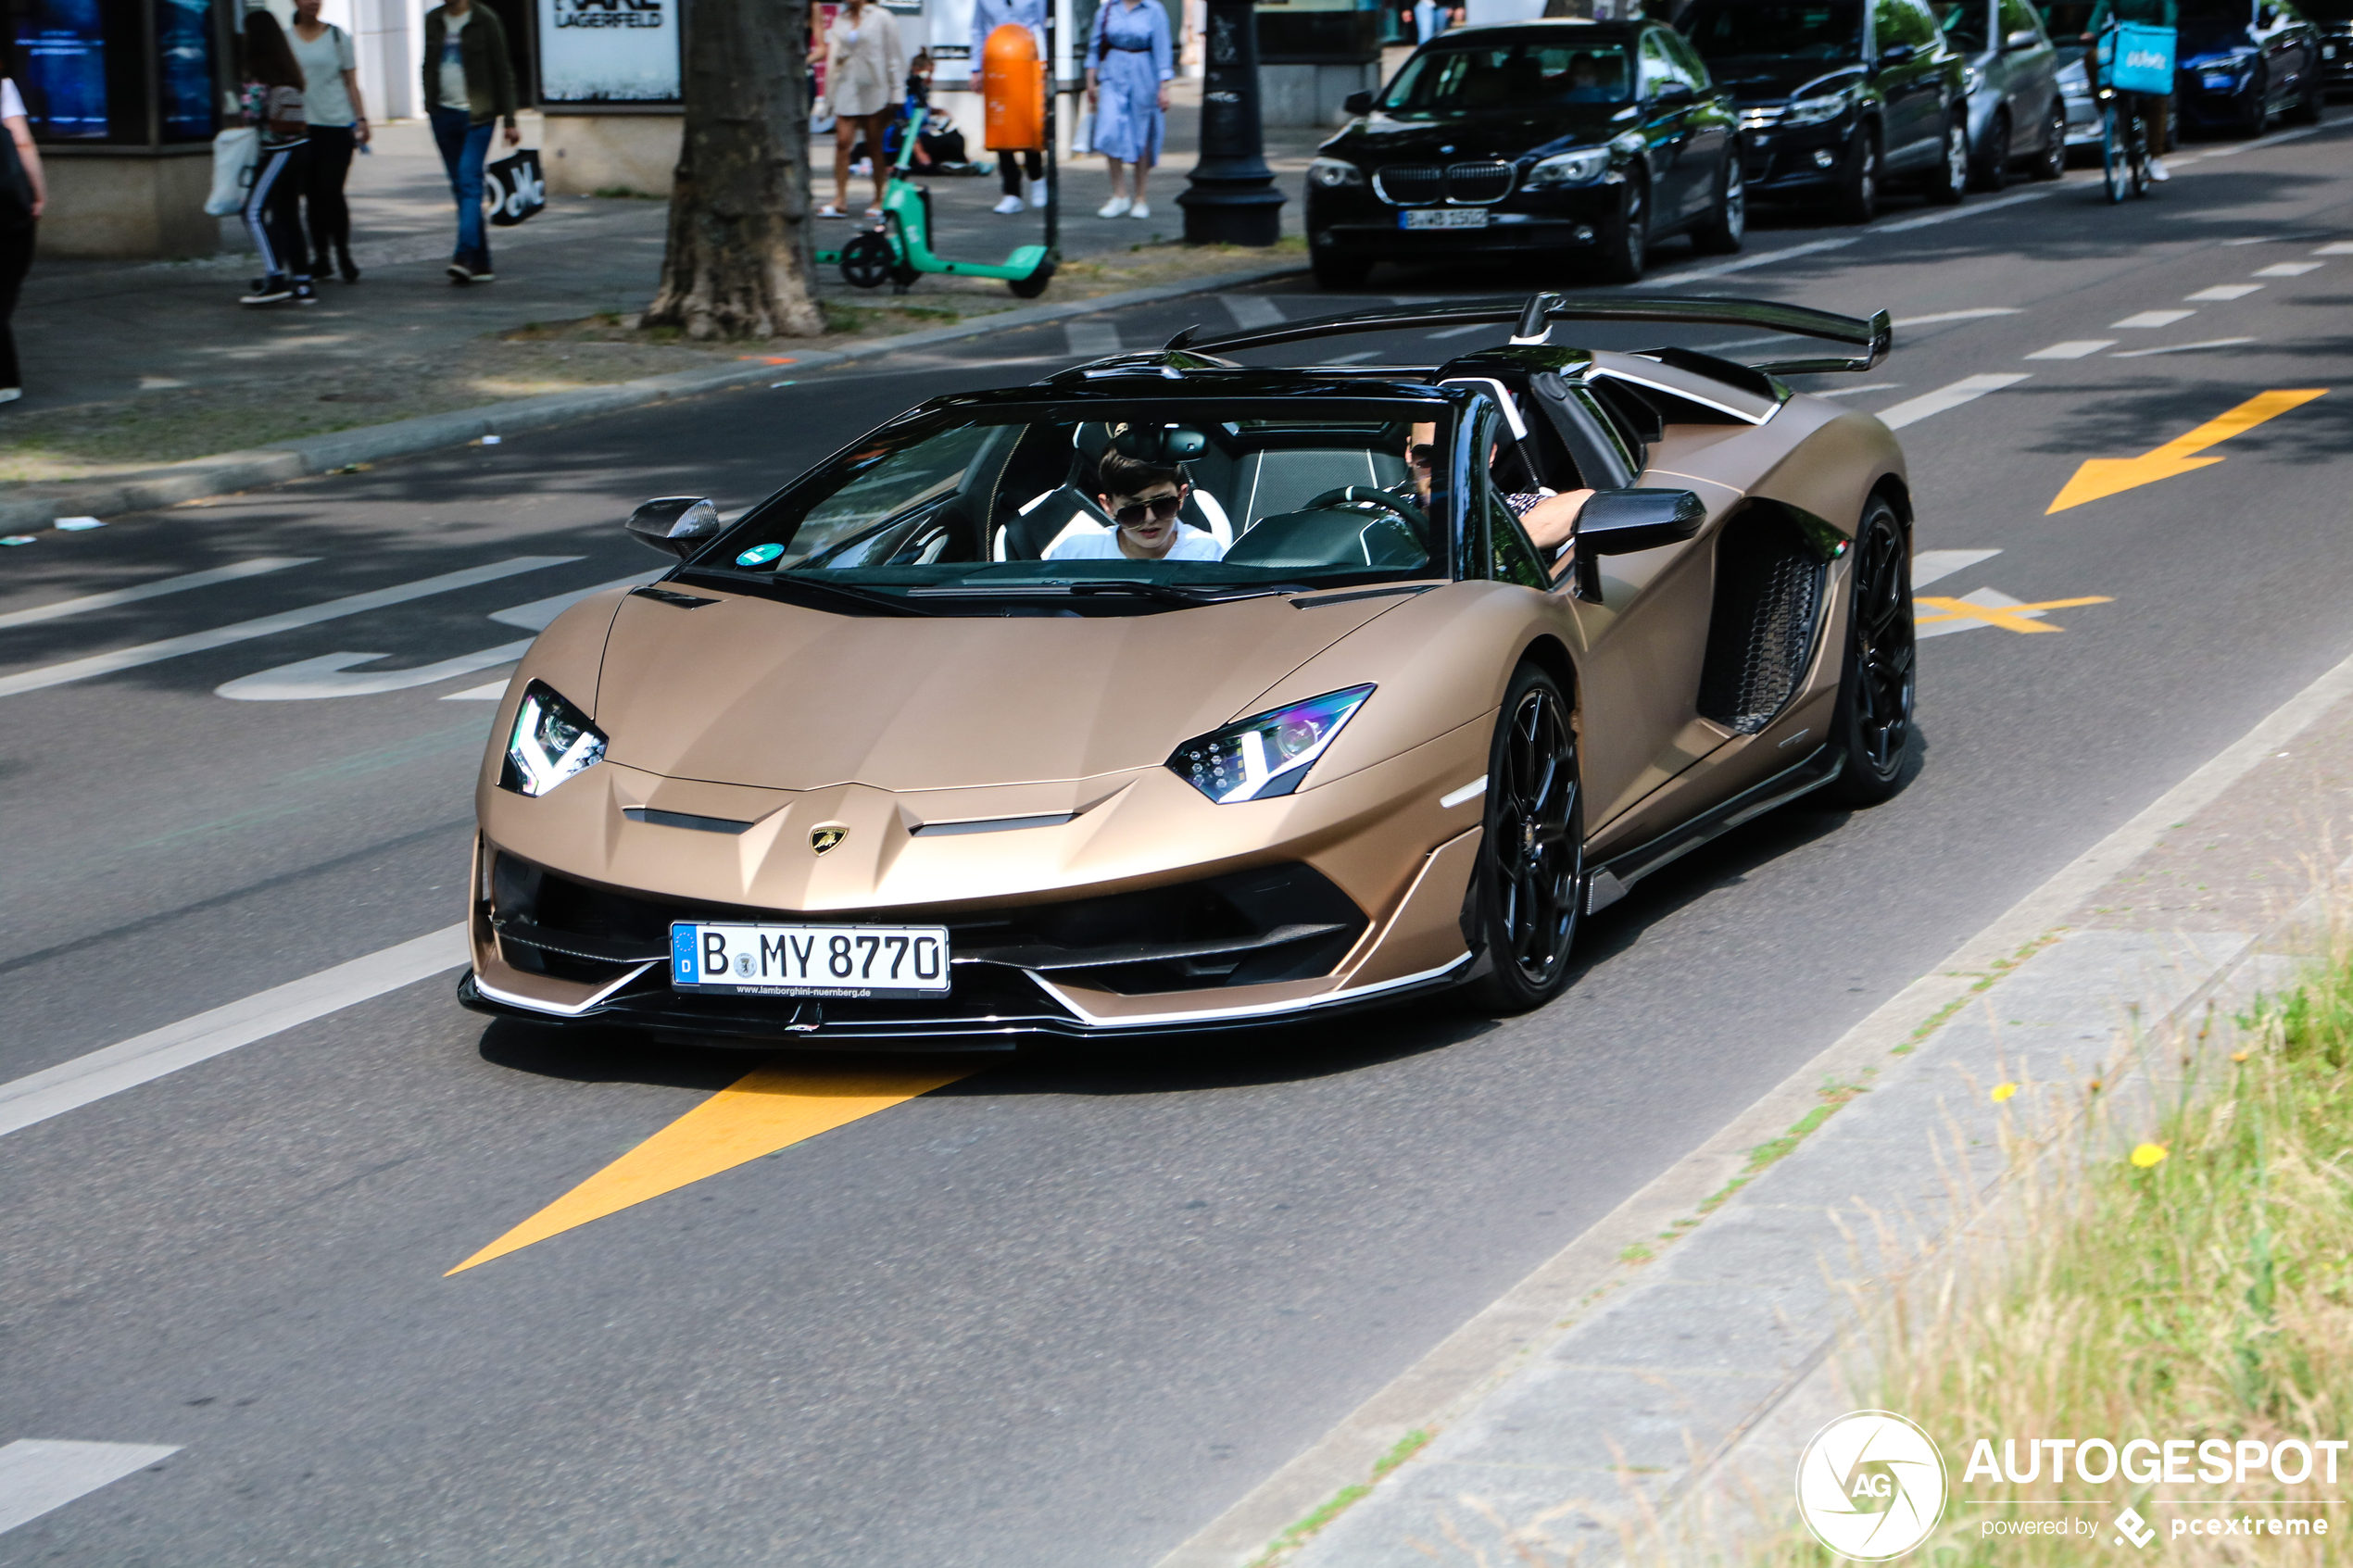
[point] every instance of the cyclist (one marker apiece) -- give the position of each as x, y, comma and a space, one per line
2155, 110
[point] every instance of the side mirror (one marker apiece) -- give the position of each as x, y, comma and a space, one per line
1674, 93
1357, 103
2025, 38
1618, 522
1896, 54
675, 524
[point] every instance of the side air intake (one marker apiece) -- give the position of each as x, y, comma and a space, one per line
1768, 600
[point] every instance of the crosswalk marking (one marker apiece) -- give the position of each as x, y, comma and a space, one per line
155, 589
38, 1476
268, 625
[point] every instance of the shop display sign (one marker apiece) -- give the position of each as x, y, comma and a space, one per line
609, 51
62, 45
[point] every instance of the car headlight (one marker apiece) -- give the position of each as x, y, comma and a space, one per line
1332, 173
1266, 754
1580, 167
1971, 79
1814, 112
552, 740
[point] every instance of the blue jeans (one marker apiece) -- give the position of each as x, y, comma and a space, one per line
464, 146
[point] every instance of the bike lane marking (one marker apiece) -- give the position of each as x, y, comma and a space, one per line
39, 1475
232, 572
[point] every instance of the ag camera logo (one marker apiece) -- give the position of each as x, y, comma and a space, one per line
1870, 1486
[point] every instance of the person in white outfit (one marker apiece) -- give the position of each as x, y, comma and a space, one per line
1027, 174
1143, 500
865, 72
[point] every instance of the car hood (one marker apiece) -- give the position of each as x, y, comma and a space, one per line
748, 691
2196, 39
1379, 140
1760, 80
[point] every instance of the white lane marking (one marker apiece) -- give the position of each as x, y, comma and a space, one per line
1765, 259
2151, 318
1858, 390
155, 589
2288, 269
39, 1473
2262, 141
2338, 247
2073, 348
1474, 327
70, 1084
1978, 314
537, 615
1968, 389
1091, 339
1254, 311
269, 625
1358, 358
2185, 347
1954, 214
331, 674
1470, 791
1934, 566
2224, 290
1992, 598
490, 693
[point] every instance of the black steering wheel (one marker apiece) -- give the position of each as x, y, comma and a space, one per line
1346, 494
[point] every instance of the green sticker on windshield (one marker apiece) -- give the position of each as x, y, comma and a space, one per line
760, 555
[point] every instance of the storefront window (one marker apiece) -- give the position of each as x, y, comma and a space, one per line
63, 47
184, 70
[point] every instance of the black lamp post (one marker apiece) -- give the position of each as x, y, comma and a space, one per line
1230, 197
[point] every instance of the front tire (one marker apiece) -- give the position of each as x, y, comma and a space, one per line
1872, 724
2051, 162
1625, 247
1724, 229
2257, 112
1949, 183
1992, 166
1858, 192
2307, 108
1528, 890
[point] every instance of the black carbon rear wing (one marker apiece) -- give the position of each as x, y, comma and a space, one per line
1532, 324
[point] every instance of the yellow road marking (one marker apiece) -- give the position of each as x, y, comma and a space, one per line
2011, 617
772, 1109
2101, 477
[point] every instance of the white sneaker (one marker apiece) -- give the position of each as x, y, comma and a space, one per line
1115, 208
11, 393
1007, 208
1037, 189
1139, 210
2157, 171
829, 210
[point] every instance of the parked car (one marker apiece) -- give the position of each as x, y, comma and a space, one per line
1557, 138
2064, 24
1838, 97
2014, 109
2334, 18
2240, 62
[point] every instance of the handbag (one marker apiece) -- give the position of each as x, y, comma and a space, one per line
514, 188
2139, 58
234, 152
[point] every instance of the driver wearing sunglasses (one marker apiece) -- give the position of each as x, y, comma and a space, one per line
1143, 499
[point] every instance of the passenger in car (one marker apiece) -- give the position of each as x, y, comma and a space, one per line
1548, 516
1143, 499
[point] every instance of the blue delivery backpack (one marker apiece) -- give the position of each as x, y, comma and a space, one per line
2138, 58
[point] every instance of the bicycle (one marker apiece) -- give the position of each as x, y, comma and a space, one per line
2146, 56
2123, 144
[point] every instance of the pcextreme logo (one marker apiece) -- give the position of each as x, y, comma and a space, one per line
1870, 1486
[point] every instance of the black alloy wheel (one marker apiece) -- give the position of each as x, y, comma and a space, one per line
1726, 226
1033, 285
1950, 182
1624, 246
2050, 163
1993, 167
1529, 888
1339, 271
1859, 191
1873, 722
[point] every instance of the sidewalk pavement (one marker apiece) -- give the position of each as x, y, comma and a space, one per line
129, 365
1671, 1364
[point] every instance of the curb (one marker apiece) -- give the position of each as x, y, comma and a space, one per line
38, 505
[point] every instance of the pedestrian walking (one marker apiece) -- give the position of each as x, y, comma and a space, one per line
864, 66
338, 121
23, 192
1013, 170
470, 91
1129, 62
273, 104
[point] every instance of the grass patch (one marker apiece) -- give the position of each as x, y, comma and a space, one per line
1331, 1508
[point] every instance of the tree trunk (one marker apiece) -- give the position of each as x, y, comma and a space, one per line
739, 262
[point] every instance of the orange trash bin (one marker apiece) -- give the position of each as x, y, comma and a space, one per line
1014, 89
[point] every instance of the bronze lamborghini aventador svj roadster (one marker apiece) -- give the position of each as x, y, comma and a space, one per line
1172, 693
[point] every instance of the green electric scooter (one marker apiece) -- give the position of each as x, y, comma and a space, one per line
898, 249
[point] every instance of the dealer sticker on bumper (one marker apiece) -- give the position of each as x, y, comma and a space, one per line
809, 960
1443, 218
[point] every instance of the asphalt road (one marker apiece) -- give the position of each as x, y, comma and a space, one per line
1069, 1308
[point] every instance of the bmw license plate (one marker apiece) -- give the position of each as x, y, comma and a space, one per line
809, 960
1443, 218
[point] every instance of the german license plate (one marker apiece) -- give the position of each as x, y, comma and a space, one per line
1443, 218
848, 961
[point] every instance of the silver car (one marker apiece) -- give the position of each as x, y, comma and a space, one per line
2064, 22
2016, 111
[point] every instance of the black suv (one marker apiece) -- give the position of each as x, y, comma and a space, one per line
1558, 138
1838, 97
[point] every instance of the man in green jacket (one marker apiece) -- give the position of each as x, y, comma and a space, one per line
469, 86
2157, 109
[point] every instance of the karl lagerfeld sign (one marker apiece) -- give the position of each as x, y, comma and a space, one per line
609, 51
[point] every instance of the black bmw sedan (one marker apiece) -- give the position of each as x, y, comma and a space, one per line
1579, 140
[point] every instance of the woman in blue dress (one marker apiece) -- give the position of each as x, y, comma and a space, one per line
1129, 62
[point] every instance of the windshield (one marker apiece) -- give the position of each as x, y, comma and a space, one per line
1964, 25
1157, 505
1465, 78
1825, 30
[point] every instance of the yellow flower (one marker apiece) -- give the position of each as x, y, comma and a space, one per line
2148, 1154
2003, 1092
2240, 1055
